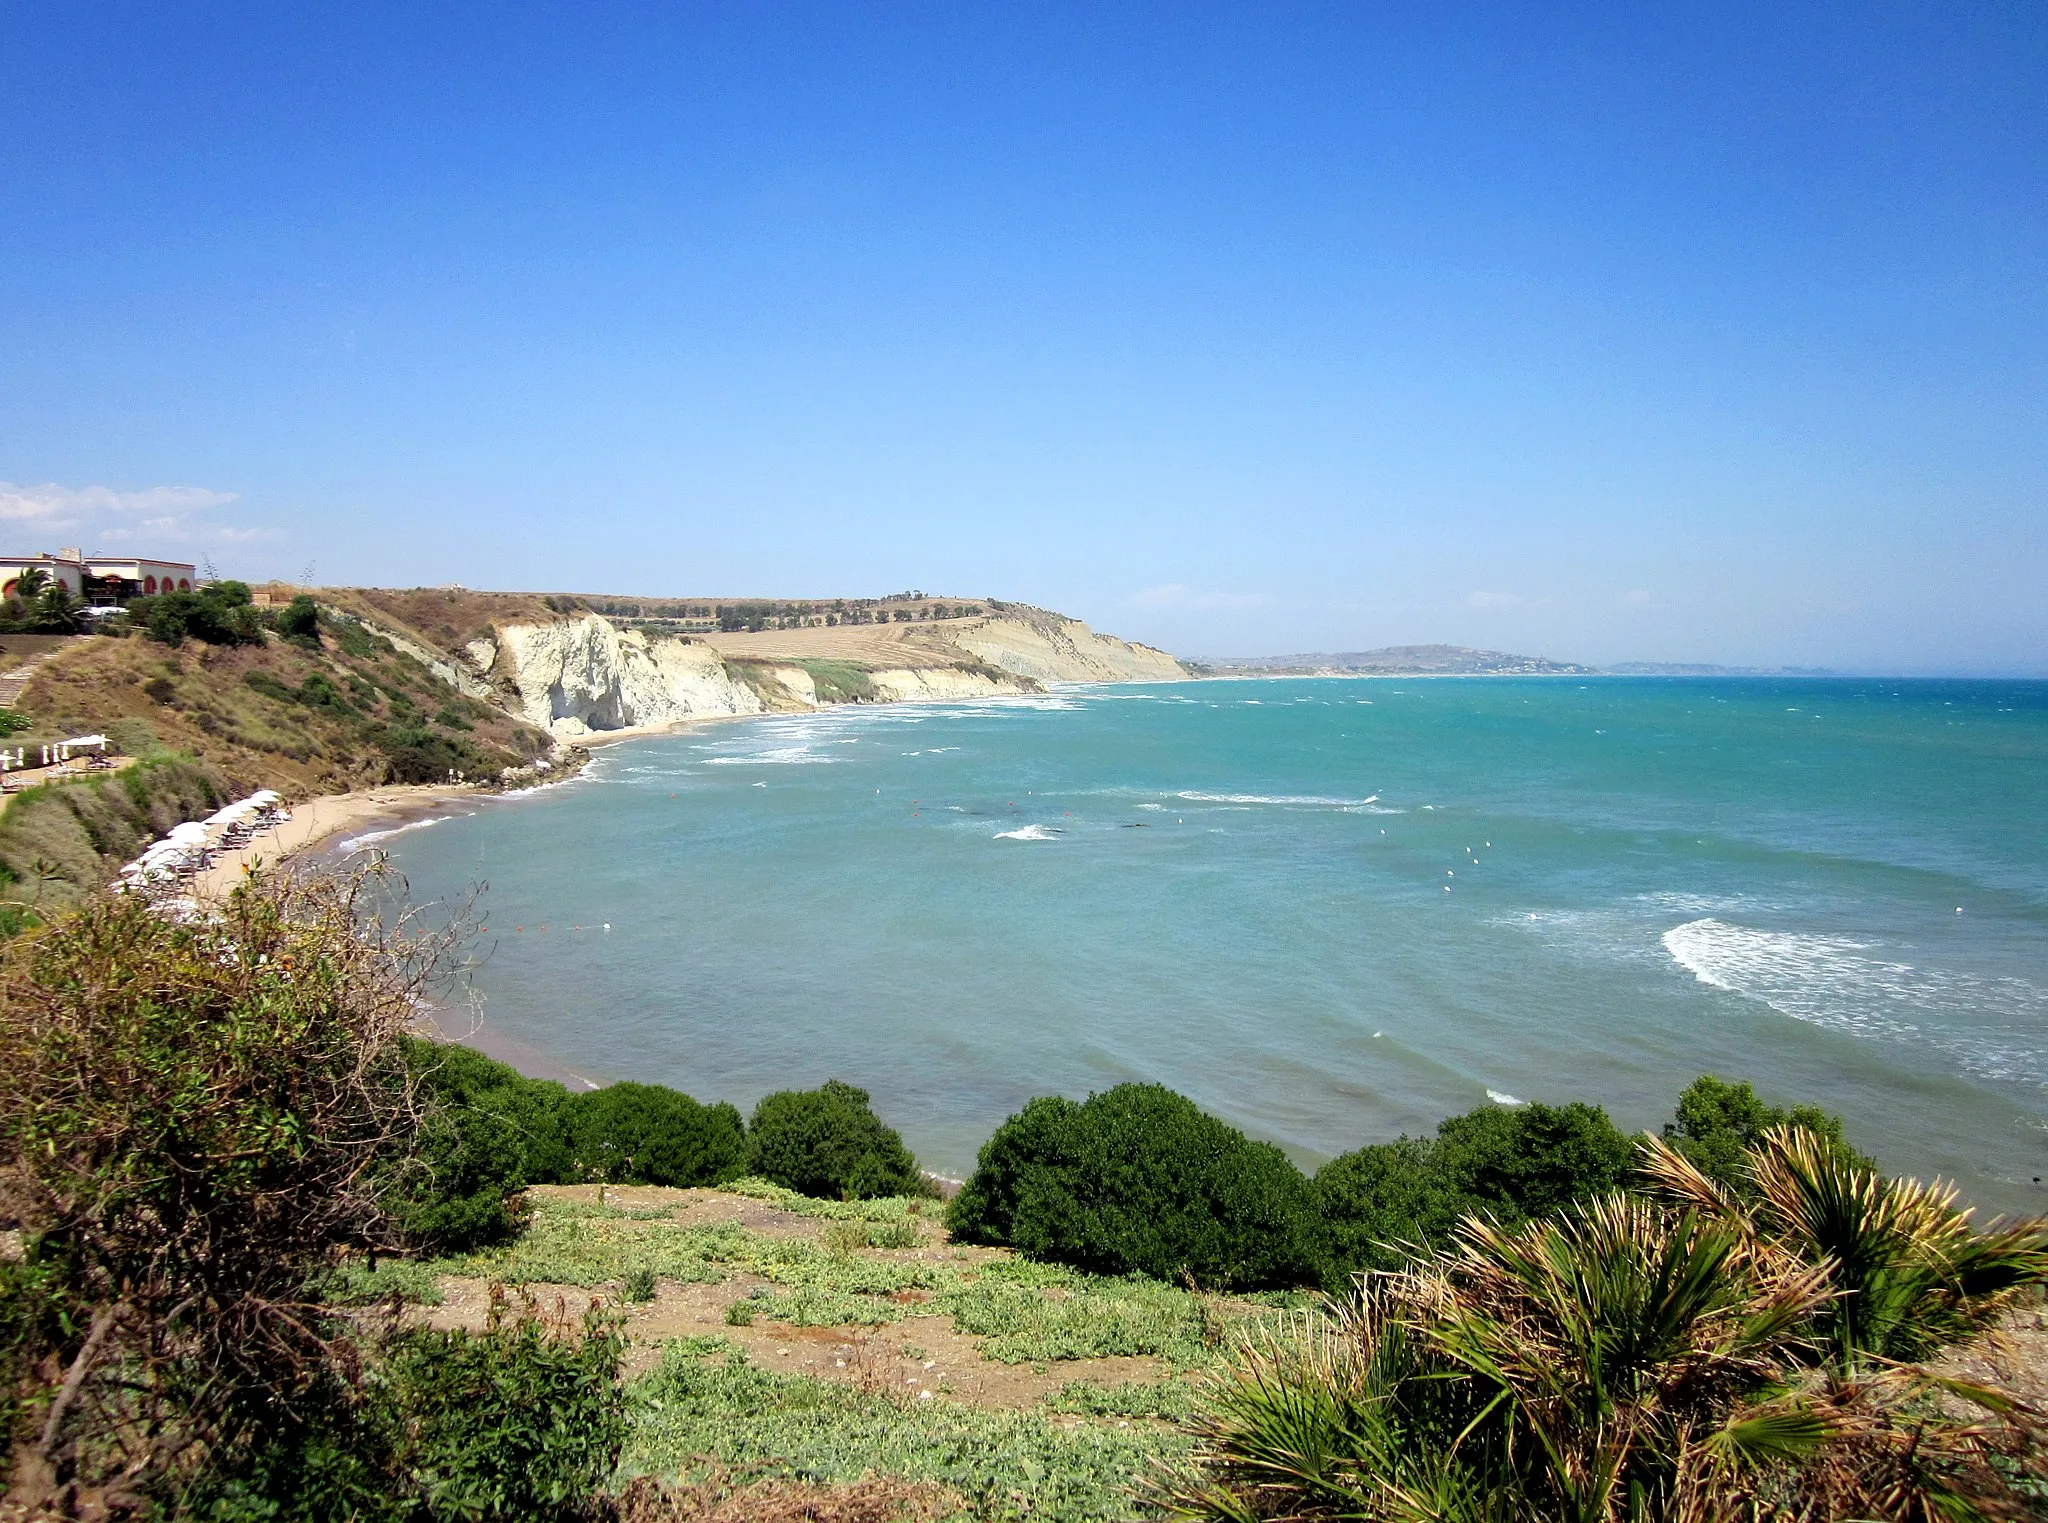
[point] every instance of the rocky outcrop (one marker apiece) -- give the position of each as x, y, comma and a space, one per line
578, 675
1044, 646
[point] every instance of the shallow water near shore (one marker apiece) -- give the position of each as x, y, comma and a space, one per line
1329, 910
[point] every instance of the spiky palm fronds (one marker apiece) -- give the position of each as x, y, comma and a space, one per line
1636, 1360
1622, 1335
1908, 1274
1335, 1413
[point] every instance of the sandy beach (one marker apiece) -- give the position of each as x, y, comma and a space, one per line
316, 820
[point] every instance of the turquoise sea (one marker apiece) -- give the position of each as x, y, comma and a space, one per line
1329, 910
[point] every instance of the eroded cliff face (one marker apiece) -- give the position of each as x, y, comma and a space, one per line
923, 684
576, 675
1052, 649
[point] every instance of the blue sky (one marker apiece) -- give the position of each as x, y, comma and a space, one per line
1651, 332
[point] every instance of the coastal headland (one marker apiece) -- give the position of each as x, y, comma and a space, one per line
401, 700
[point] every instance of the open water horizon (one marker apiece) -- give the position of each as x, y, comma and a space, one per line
1329, 910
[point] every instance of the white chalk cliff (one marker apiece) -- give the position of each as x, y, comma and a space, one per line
576, 675
572, 676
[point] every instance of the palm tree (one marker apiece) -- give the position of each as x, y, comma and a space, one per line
55, 610
31, 582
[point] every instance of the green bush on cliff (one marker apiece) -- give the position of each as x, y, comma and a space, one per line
487, 1132
1719, 1121
1140, 1178
648, 1134
1508, 1162
828, 1142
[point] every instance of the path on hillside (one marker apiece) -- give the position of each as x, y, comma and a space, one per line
15, 681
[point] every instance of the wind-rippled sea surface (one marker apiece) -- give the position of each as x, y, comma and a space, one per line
1329, 910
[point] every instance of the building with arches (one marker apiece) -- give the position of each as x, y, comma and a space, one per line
103, 581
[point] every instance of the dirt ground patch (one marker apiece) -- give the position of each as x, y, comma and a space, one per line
922, 1354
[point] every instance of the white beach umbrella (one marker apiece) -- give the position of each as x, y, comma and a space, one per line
189, 832
265, 796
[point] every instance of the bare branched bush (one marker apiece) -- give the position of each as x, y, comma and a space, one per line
195, 1123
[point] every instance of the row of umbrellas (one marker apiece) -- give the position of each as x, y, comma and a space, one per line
190, 847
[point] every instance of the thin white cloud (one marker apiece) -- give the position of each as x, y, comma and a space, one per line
103, 515
57, 505
1180, 595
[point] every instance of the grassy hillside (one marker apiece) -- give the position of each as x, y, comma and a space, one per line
353, 713
61, 841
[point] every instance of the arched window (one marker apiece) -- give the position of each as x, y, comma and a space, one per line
183, 585
149, 584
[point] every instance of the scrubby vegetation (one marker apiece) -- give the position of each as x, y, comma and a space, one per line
829, 1142
194, 1121
999, 1464
61, 842
1139, 1179
294, 697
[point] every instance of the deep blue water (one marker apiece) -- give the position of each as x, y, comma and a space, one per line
1329, 910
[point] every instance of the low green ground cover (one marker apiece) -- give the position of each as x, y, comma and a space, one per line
1026, 1312
692, 1414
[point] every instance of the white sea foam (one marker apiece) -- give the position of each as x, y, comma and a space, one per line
371, 838
1300, 800
780, 756
1501, 1097
1026, 833
1991, 1026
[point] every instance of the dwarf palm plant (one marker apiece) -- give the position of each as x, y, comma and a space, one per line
1908, 1275
1668, 1357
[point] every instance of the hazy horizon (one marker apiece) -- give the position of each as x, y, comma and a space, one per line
1598, 334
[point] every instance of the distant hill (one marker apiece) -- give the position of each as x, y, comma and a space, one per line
1700, 669
1394, 661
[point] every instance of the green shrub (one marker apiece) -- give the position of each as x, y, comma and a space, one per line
219, 613
647, 1134
1139, 1178
1510, 1162
488, 1131
191, 1121
299, 622
415, 754
270, 687
829, 1142
1718, 1123
523, 1421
